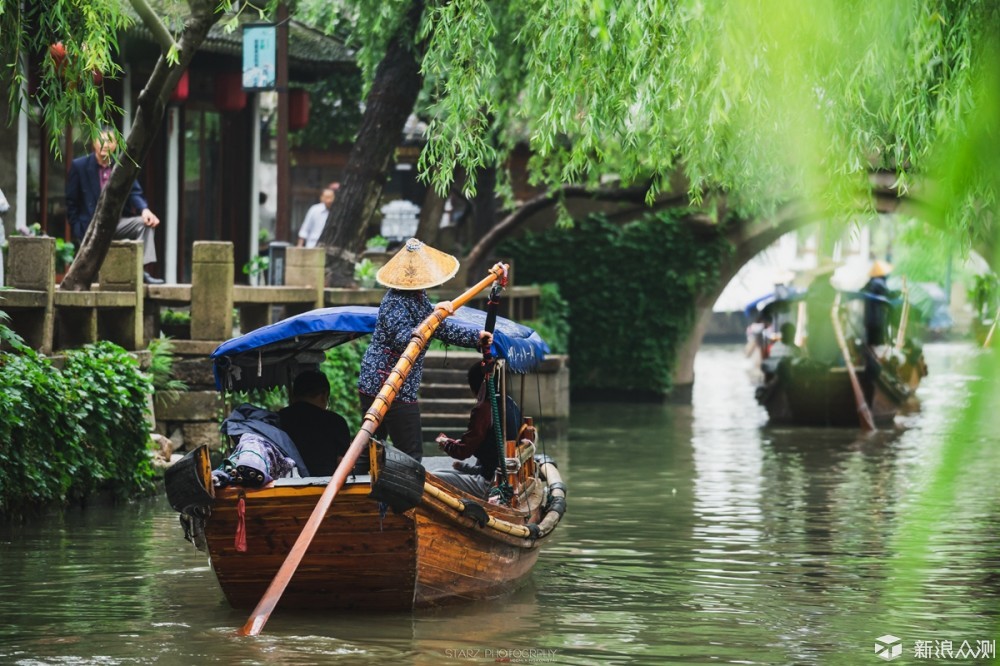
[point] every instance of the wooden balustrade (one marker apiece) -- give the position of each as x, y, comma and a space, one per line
122, 309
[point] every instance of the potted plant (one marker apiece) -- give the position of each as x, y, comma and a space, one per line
376, 244
176, 324
364, 273
64, 256
256, 268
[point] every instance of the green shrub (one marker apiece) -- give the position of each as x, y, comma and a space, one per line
169, 316
553, 318
272, 399
66, 433
161, 366
984, 295
341, 367
631, 290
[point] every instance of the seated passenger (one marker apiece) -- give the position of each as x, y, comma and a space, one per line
479, 441
785, 346
321, 436
783, 350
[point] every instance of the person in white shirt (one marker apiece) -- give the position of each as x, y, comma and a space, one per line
315, 220
4, 207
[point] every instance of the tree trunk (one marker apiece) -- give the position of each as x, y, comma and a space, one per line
430, 217
389, 103
484, 214
149, 114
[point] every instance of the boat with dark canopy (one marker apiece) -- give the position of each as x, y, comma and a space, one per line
395, 539
868, 390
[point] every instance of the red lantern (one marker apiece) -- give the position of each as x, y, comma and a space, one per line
180, 93
58, 54
229, 95
298, 109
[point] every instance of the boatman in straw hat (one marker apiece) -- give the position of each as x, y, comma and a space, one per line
415, 268
877, 309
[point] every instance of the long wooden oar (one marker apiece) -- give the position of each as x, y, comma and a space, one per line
904, 318
372, 420
864, 413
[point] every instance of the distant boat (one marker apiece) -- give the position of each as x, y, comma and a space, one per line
799, 390
436, 545
806, 393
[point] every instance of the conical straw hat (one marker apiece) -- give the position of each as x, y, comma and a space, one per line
880, 268
417, 266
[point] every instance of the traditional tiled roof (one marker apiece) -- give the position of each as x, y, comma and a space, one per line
308, 47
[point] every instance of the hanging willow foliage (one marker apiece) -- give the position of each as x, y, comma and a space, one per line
765, 100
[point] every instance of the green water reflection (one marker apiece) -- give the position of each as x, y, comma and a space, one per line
694, 535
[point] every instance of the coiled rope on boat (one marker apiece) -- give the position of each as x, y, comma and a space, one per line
531, 532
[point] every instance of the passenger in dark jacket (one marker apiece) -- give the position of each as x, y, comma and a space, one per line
321, 436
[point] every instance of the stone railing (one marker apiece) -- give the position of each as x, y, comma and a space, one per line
50, 319
120, 308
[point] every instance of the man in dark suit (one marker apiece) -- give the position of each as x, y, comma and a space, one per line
87, 177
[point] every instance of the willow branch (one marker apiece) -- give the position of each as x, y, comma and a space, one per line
635, 195
155, 25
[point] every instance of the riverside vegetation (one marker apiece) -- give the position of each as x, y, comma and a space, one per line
71, 430
637, 303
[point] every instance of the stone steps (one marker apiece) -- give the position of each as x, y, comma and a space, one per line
445, 398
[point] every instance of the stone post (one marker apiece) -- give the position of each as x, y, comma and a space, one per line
122, 272
212, 291
306, 267
31, 275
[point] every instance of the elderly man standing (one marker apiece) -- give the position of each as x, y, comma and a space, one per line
315, 220
87, 177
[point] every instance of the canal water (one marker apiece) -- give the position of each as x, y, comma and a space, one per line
695, 534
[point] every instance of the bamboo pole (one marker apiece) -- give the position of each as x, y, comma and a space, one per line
864, 413
372, 420
904, 318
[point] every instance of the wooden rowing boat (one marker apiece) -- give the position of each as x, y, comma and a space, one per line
800, 390
397, 539
806, 393
442, 550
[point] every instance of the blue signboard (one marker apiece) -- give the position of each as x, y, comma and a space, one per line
259, 56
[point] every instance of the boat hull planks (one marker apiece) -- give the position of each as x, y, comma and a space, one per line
825, 398
359, 560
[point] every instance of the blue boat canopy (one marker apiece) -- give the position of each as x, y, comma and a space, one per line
778, 301
272, 355
774, 300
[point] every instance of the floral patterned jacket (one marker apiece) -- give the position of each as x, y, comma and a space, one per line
398, 315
